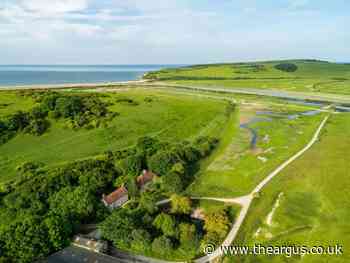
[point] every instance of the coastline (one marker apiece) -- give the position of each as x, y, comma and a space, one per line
73, 85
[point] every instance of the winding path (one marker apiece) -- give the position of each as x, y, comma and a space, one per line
245, 201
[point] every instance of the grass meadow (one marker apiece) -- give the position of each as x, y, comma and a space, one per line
235, 169
159, 114
314, 207
311, 76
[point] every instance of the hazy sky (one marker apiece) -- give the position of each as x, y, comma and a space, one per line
171, 31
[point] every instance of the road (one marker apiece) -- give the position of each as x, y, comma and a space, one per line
292, 95
109, 86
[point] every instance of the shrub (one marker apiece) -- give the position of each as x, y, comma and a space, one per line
141, 240
287, 67
166, 223
37, 127
180, 204
163, 161
172, 183
218, 223
162, 245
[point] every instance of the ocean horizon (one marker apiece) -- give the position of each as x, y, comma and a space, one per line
18, 75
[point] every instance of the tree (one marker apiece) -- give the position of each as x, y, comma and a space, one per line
217, 223
18, 121
166, 223
163, 161
117, 228
141, 240
49, 101
180, 204
37, 127
188, 236
28, 167
172, 183
148, 202
76, 203
147, 145
162, 245
132, 164
38, 112
132, 187
59, 230
68, 106
287, 67
26, 239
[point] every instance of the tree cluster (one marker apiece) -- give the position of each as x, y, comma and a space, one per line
79, 111
168, 232
43, 209
287, 67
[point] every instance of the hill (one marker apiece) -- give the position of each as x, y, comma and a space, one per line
293, 75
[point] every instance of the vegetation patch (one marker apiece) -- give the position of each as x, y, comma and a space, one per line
315, 208
77, 111
287, 67
126, 101
43, 208
172, 231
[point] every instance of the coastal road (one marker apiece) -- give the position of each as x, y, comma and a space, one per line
292, 95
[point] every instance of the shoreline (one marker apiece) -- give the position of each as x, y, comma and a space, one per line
73, 85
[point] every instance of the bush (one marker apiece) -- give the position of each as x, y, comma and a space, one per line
217, 223
141, 240
132, 164
162, 245
18, 121
180, 205
163, 161
37, 127
172, 183
166, 223
287, 67
147, 145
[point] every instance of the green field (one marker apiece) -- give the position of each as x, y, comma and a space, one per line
306, 204
167, 117
235, 169
314, 207
310, 76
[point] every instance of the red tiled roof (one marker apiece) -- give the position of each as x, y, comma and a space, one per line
144, 178
114, 196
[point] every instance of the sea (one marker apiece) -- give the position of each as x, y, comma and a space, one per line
18, 75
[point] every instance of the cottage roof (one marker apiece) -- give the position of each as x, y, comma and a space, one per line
116, 195
144, 178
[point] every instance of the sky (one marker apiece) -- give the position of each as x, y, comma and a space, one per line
172, 31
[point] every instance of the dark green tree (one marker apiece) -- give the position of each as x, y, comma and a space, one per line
162, 245
118, 228
141, 240
166, 223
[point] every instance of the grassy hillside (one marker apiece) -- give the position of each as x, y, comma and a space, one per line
314, 206
165, 116
307, 76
